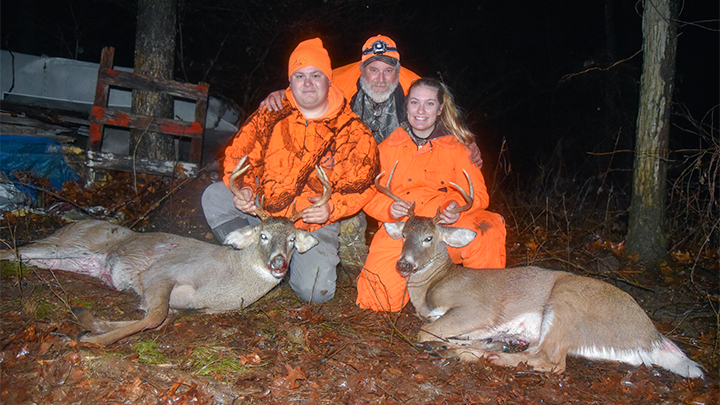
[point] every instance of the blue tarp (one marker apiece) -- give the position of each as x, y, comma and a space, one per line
39, 156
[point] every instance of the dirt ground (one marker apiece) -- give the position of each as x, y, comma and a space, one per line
282, 350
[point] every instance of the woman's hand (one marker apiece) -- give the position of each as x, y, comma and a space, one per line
399, 209
447, 218
245, 201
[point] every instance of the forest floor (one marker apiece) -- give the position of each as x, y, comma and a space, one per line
283, 350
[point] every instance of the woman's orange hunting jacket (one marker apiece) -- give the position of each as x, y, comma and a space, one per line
283, 148
423, 176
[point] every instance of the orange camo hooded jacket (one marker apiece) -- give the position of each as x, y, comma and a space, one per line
283, 148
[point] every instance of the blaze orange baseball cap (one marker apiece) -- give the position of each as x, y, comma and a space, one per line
379, 47
310, 53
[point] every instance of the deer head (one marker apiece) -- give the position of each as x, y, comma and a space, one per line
275, 236
424, 242
424, 238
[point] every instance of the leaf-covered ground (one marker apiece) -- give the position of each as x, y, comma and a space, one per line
282, 350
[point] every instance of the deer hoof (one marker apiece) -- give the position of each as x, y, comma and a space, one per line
83, 336
85, 318
432, 346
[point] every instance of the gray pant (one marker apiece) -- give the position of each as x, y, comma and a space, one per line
313, 274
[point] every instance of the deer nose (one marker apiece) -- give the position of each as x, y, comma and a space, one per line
278, 263
404, 268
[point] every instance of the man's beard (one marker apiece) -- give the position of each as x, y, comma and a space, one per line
377, 96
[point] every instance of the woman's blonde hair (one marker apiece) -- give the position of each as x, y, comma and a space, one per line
450, 115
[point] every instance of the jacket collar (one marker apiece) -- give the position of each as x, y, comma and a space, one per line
440, 136
336, 103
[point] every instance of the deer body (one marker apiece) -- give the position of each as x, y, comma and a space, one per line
169, 271
477, 312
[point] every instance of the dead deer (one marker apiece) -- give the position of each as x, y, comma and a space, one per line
172, 272
477, 313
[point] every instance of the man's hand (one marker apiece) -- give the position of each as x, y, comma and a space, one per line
316, 215
399, 209
447, 218
245, 201
273, 101
474, 155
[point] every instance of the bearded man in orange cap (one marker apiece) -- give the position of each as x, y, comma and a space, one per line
314, 126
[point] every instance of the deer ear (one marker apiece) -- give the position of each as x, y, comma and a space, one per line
457, 237
304, 241
241, 238
394, 229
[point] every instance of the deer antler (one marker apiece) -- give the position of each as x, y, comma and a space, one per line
468, 199
327, 192
386, 190
232, 184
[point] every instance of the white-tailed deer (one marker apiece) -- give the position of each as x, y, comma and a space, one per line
477, 313
172, 272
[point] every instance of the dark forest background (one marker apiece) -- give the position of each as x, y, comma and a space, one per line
506, 61
550, 88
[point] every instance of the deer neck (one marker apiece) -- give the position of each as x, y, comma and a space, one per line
420, 282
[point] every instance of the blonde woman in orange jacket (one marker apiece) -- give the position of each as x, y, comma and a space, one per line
429, 152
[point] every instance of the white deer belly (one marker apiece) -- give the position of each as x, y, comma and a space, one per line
184, 297
525, 327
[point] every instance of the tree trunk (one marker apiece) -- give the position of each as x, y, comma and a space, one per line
646, 228
154, 56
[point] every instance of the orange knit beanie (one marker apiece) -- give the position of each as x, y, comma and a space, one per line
310, 53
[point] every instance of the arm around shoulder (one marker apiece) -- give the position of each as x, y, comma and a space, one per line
273, 101
406, 78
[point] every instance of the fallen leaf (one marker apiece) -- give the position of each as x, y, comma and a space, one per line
74, 358
250, 358
294, 374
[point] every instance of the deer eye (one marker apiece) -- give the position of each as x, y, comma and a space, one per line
263, 236
428, 239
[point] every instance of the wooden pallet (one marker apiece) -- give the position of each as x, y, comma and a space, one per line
102, 116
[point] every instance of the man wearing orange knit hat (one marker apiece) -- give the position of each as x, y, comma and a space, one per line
314, 126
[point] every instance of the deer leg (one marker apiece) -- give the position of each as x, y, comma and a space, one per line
36, 254
456, 322
464, 354
468, 352
445, 348
98, 326
539, 361
157, 312
87, 320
